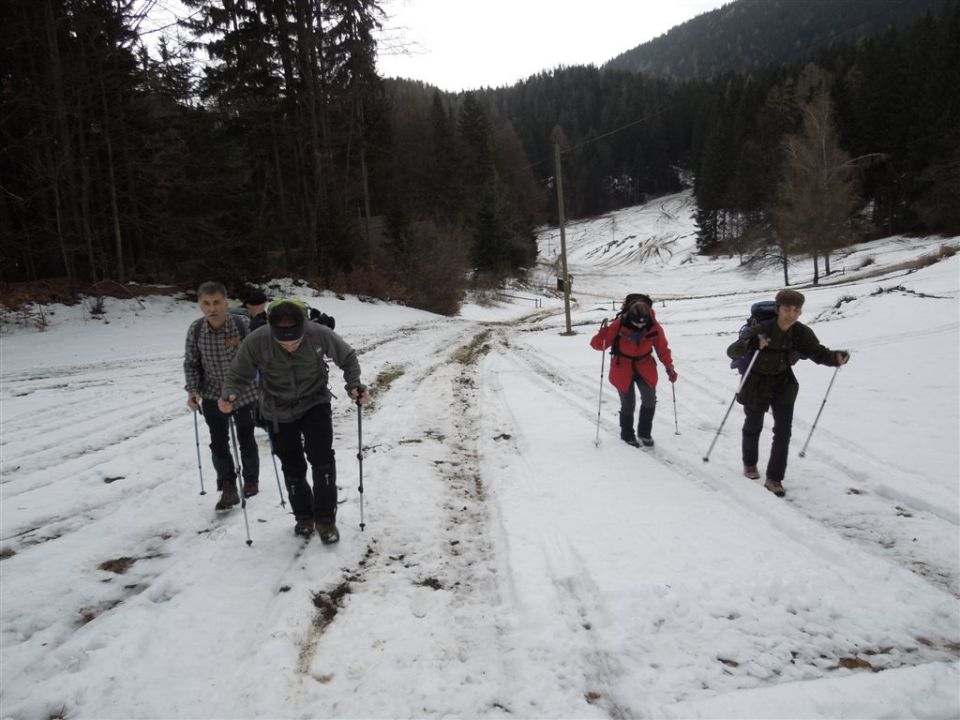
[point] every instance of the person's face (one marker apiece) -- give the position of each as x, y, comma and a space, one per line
787, 315
290, 345
256, 309
214, 308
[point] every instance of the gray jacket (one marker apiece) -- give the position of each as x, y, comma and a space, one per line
291, 383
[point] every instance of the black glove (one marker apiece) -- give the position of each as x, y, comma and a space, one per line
357, 391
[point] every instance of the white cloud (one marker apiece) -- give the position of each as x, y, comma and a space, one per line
461, 44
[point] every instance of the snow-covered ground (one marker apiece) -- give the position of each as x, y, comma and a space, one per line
510, 567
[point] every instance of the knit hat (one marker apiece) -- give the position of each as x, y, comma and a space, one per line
789, 297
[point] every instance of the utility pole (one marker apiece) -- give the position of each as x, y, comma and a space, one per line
557, 136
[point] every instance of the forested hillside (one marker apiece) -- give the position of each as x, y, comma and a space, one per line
752, 35
887, 106
286, 152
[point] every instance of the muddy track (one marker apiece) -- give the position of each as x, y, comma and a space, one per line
458, 561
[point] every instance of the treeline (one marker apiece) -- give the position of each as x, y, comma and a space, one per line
284, 152
751, 35
889, 107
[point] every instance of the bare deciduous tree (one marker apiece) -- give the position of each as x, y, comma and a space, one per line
817, 192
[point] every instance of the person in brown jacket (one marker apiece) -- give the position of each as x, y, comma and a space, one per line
772, 384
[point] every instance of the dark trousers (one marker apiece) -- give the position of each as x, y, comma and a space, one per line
219, 427
628, 405
782, 429
311, 434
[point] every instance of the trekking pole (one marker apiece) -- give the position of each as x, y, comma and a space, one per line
273, 456
603, 358
236, 457
706, 458
360, 454
196, 433
803, 452
676, 426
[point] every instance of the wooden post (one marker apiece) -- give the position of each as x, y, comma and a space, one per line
557, 136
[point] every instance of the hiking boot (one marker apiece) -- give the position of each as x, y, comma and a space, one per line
629, 438
328, 532
250, 489
229, 498
647, 441
775, 486
751, 472
304, 527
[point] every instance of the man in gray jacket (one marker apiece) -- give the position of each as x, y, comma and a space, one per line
290, 354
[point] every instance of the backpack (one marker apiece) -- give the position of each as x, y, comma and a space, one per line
236, 321
759, 312
322, 318
632, 298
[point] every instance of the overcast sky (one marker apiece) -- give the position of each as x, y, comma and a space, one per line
468, 44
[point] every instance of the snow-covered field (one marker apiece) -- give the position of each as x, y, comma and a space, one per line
510, 567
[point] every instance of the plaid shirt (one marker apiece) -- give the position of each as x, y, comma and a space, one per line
207, 357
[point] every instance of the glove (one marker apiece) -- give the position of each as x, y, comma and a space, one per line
193, 401
672, 374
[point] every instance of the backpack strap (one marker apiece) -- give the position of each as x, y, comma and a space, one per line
615, 347
236, 321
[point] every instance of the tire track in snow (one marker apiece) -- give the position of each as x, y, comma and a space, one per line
448, 565
579, 390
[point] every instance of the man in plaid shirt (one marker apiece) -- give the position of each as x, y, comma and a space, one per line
212, 343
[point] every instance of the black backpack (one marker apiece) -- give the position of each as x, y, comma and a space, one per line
632, 298
322, 318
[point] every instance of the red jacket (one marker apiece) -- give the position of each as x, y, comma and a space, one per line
635, 348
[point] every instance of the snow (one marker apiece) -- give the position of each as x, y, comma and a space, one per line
510, 566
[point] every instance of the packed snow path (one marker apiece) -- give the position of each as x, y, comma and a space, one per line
509, 567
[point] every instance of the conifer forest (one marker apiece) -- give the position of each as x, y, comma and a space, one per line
258, 138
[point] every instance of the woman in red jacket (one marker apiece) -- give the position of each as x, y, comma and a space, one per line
632, 337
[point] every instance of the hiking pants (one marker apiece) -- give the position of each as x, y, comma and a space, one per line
219, 426
782, 429
311, 434
628, 404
